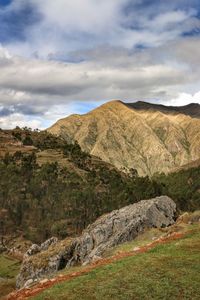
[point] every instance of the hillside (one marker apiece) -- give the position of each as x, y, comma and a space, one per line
107, 231
53, 188
158, 274
192, 164
49, 187
137, 136
160, 263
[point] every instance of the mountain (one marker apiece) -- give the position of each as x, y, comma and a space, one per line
146, 137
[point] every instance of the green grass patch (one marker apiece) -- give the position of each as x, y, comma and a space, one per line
9, 268
169, 271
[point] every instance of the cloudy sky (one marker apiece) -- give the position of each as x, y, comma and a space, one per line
62, 57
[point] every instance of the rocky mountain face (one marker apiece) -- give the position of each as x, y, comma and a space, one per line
145, 137
111, 229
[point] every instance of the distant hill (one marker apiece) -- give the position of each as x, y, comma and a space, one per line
192, 109
146, 137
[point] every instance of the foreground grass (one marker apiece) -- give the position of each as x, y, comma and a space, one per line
9, 268
169, 271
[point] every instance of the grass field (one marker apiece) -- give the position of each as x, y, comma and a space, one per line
169, 271
9, 268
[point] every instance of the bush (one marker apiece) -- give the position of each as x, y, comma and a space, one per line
59, 229
28, 141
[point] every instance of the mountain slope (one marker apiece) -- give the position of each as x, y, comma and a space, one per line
157, 264
144, 139
168, 269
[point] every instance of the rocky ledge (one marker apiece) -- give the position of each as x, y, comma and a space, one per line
106, 232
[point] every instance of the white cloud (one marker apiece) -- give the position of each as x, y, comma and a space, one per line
38, 81
17, 119
67, 25
89, 16
103, 42
50, 89
185, 98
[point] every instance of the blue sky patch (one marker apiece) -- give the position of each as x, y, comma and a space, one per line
14, 23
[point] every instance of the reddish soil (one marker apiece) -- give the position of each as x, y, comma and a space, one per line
25, 293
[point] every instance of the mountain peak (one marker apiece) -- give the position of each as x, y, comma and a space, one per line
109, 104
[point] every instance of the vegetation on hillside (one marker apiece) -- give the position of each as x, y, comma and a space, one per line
49, 199
41, 200
183, 187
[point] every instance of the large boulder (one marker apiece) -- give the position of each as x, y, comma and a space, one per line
109, 230
123, 225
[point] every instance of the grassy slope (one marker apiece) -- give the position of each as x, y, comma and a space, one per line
169, 271
9, 268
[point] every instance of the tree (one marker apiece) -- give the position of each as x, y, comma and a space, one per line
28, 141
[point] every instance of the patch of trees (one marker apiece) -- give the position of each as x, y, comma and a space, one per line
49, 200
183, 187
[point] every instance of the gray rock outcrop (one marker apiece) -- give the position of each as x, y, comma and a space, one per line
123, 225
43, 263
44, 246
109, 230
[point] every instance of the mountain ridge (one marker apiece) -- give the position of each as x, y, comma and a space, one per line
192, 109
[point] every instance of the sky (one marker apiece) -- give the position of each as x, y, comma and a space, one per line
62, 57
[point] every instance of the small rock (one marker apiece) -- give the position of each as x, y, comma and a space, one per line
28, 283
136, 249
96, 258
44, 246
32, 250
183, 218
44, 281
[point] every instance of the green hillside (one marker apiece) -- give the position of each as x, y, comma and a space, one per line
9, 268
168, 271
49, 187
56, 189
